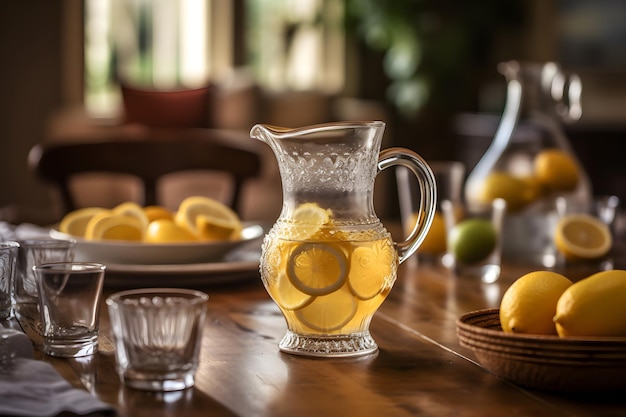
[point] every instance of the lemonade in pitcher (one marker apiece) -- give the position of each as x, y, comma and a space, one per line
328, 262
332, 281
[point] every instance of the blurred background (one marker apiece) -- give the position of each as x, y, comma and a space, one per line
426, 67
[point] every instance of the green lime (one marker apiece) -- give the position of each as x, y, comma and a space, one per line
472, 240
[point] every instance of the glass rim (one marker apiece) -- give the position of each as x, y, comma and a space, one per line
46, 242
70, 266
194, 296
9, 244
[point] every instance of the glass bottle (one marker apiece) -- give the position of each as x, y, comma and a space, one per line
530, 162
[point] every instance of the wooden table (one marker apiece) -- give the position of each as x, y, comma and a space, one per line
420, 369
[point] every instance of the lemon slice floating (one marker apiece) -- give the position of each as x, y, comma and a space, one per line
369, 270
286, 295
329, 312
317, 268
309, 219
208, 219
108, 225
582, 236
75, 222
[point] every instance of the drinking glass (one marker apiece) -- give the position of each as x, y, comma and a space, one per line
475, 239
30, 253
158, 334
8, 256
69, 301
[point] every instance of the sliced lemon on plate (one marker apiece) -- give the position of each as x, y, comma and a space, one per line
133, 209
208, 219
110, 226
317, 268
582, 236
166, 231
309, 219
75, 222
158, 213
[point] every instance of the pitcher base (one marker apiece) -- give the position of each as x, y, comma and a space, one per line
328, 346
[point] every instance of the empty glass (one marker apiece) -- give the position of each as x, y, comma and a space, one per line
8, 256
30, 253
69, 301
158, 334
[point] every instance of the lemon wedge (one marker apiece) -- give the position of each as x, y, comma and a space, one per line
75, 222
208, 219
110, 226
157, 213
309, 219
166, 231
133, 209
582, 236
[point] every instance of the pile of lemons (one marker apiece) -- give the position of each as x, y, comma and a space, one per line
197, 218
554, 170
548, 303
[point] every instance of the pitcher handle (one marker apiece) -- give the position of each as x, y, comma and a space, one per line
428, 195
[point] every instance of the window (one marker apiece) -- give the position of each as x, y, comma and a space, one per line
169, 44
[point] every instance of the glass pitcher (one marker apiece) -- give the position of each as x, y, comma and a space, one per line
328, 262
530, 162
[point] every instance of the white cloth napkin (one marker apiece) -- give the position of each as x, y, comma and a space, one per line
34, 388
9, 231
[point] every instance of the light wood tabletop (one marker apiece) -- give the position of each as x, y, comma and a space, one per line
419, 370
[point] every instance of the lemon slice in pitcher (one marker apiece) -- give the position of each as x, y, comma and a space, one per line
286, 295
369, 271
329, 312
317, 268
309, 219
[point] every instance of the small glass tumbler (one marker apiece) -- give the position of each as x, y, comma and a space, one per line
69, 301
449, 178
8, 257
26, 305
603, 207
475, 239
158, 334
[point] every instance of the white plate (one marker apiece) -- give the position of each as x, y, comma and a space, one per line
155, 254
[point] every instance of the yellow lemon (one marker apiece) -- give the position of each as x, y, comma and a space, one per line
582, 236
556, 169
435, 241
309, 219
472, 240
132, 209
594, 306
317, 268
75, 222
530, 303
533, 189
510, 188
166, 231
157, 213
110, 226
208, 219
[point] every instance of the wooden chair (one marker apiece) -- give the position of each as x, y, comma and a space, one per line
148, 157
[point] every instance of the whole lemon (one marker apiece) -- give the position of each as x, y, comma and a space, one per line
472, 240
507, 187
435, 241
529, 304
556, 169
594, 306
